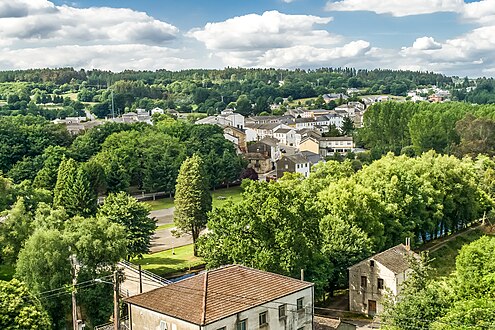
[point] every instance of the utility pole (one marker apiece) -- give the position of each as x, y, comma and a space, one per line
140, 280
73, 294
116, 319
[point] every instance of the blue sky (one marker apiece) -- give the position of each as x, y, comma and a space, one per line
455, 37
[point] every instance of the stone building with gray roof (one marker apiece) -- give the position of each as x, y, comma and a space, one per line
371, 278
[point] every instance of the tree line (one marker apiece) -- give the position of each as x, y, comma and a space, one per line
413, 128
338, 217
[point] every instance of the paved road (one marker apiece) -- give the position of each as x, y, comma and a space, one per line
164, 240
163, 216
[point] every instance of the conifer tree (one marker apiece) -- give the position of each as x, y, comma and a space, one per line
73, 190
192, 198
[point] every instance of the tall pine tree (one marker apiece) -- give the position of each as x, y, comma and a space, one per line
73, 190
192, 198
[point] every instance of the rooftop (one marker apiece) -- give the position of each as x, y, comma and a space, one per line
395, 258
216, 294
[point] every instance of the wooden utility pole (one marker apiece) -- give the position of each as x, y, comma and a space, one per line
74, 305
73, 294
116, 319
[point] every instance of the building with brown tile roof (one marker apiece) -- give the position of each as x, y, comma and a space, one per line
229, 297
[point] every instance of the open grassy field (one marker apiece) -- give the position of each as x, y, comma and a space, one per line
166, 263
219, 197
6, 272
443, 262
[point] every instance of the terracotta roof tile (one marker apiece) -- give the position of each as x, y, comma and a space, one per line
229, 290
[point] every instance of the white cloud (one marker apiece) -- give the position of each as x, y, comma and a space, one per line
426, 43
274, 39
42, 22
109, 57
397, 7
269, 30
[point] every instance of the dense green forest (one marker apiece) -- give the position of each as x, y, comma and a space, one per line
338, 217
413, 128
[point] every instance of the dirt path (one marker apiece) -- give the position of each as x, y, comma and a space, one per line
443, 242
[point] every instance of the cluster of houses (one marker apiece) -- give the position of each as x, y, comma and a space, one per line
236, 297
290, 143
433, 95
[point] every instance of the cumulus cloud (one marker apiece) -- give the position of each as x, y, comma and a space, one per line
426, 43
397, 7
42, 21
275, 39
110, 57
269, 30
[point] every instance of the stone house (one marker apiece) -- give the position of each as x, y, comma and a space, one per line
372, 277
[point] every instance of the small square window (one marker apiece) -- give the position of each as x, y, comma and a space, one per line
380, 284
163, 325
364, 281
300, 303
282, 310
262, 319
372, 263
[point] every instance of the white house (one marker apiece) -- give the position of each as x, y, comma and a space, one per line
226, 118
228, 298
340, 144
286, 136
369, 279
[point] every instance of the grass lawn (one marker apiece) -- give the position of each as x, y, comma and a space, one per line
219, 197
160, 204
443, 262
165, 226
302, 101
166, 264
6, 272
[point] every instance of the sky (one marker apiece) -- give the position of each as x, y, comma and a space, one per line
454, 37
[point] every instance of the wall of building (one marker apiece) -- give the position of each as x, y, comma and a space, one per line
310, 145
145, 319
359, 297
294, 319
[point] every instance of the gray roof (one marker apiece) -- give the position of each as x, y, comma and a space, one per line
304, 120
395, 258
283, 130
297, 158
270, 141
267, 126
311, 157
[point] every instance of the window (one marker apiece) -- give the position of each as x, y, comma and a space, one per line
300, 303
241, 325
163, 325
364, 281
380, 284
372, 263
282, 311
301, 328
222, 328
262, 318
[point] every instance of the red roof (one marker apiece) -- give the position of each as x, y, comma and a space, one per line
216, 294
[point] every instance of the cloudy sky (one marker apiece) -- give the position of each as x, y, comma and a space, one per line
455, 37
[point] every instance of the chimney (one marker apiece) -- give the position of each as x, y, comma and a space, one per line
302, 274
408, 243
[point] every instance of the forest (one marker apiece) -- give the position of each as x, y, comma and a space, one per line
58, 93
